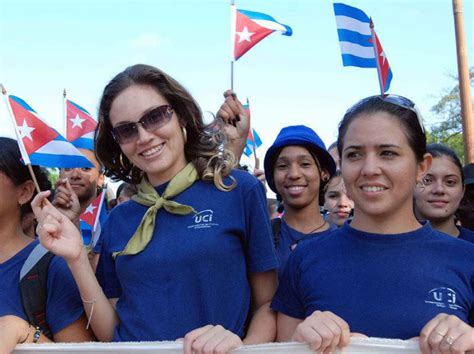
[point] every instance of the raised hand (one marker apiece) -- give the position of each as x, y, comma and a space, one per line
66, 201
446, 334
210, 339
237, 123
56, 232
323, 331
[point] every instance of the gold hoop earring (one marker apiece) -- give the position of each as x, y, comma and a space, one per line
185, 135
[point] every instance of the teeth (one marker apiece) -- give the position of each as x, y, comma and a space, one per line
295, 188
152, 150
372, 189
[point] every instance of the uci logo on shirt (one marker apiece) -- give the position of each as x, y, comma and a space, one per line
203, 220
442, 297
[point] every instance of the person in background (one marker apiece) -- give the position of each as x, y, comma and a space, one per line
187, 256
84, 183
337, 203
438, 196
383, 274
125, 192
332, 149
466, 207
64, 314
297, 166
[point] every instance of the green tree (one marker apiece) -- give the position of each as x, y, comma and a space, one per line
448, 129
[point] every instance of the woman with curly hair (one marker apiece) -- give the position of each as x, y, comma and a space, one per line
192, 248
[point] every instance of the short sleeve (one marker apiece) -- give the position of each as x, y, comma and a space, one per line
63, 304
260, 249
288, 298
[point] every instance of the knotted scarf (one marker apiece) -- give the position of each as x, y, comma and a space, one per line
147, 195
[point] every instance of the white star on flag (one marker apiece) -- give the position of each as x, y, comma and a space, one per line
25, 131
245, 35
382, 54
90, 209
77, 122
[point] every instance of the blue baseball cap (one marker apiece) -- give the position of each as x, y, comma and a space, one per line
299, 135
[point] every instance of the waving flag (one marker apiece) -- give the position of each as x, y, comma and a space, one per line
252, 139
42, 144
249, 28
80, 126
356, 41
92, 219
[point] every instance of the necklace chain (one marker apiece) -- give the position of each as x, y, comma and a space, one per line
317, 228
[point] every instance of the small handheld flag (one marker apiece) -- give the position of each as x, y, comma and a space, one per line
251, 27
253, 142
42, 145
356, 38
80, 126
92, 219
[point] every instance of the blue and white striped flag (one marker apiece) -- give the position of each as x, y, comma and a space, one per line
355, 37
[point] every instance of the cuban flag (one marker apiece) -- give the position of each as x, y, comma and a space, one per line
253, 140
92, 219
40, 144
80, 126
249, 28
356, 41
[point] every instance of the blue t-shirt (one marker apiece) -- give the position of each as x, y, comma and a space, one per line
63, 303
466, 234
194, 270
290, 238
383, 285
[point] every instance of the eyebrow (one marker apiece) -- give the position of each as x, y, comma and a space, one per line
144, 114
381, 146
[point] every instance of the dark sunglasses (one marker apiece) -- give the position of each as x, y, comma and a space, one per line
151, 121
406, 103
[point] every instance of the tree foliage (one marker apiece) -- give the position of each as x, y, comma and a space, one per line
448, 129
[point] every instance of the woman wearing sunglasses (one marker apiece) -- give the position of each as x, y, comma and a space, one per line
438, 197
194, 246
383, 274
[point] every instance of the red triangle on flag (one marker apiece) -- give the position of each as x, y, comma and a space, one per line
78, 122
89, 215
34, 132
247, 34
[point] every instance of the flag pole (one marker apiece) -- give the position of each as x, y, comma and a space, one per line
23, 152
65, 113
374, 43
464, 83
233, 15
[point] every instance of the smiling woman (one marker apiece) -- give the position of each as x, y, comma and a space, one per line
359, 279
297, 166
193, 247
438, 197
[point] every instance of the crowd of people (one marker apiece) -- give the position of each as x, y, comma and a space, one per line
373, 237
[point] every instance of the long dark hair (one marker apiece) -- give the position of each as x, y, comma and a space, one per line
407, 118
203, 146
12, 167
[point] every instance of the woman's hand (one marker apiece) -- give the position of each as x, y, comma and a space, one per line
323, 331
56, 232
210, 339
13, 330
446, 334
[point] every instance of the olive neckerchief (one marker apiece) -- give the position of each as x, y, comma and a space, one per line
147, 195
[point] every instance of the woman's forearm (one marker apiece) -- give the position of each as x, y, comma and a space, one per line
100, 312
